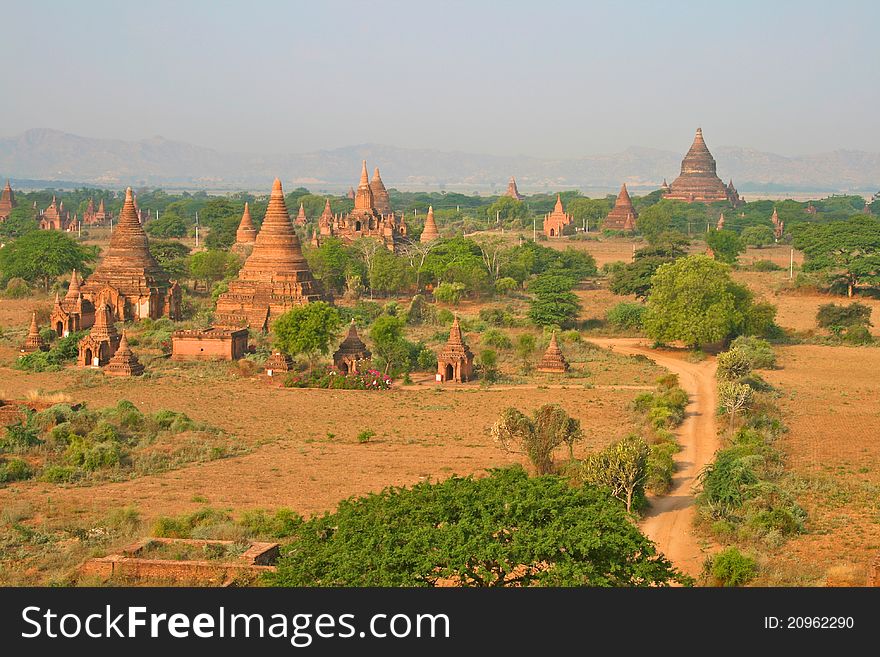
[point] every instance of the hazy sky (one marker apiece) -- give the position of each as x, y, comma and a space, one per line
544, 78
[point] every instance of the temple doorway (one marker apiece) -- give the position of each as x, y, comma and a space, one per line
88, 358
552, 233
343, 367
59, 329
357, 226
450, 372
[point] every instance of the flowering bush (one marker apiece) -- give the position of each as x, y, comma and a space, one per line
335, 380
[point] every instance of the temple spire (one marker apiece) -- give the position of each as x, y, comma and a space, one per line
363, 199
246, 231
430, 232
558, 207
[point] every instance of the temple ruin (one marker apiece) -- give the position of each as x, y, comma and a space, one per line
209, 344
73, 312
455, 362
7, 201
34, 341
275, 277
623, 216
698, 181
124, 362
553, 361
99, 346
352, 353
512, 191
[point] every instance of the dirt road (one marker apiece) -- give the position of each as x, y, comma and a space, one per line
669, 522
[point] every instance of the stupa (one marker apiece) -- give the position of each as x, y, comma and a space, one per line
455, 362
623, 215
698, 181
512, 191
33, 342
381, 201
352, 353
365, 220
275, 277
128, 279
124, 362
558, 223
246, 233
278, 363
778, 225
301, 218
553, 361
720, 224
350, 193
72, 313
7, 201
430, 232
99, 346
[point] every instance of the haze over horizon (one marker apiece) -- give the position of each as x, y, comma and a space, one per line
551, 80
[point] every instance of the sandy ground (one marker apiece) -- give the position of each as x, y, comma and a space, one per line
669, 522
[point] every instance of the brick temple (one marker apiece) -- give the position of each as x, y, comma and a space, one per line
367, 219
512, 191
124, 362
209, 344
93, 217
430, 232
128, 279
54, 217
623, 215
72, 313
99, 346
553, 361
275, 277
455, 362
34, 341
352, 354
7, 201
558, 223
698, 181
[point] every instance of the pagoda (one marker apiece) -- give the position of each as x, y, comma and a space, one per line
512, 191
698, 181
352, 353
72, 313
623, 216
99, 346
366, 219
54, 217
128, 279
455, 362
7, 201
275, 277
246, 233
278, 363
301, 216
34, 341
558, 223
778, 225
350, 194
381, 201
553, 362
430, 232
124, 362
720, 224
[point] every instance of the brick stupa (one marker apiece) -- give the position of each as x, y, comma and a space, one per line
7, 201
698, 181
124, 362
246, 233
623, 216
553, 361
128, 279
558, 223
275, 277
301, 218
278, 363
99, 346
512, 191
455, 362
72, 313
430, 232
33, 342
352, 353
381, 201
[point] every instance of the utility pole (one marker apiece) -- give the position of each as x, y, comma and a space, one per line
197, 230
534, 230
791, 265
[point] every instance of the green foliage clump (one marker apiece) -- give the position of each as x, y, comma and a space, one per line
497, 339
765, 266
506, 529
63, 351
17, 288
759, 352
841, 320
15, 470
626, 316
497, 317
622, 468
538, 436
554, 304
307, 330
730, 567
733, 365
185, 526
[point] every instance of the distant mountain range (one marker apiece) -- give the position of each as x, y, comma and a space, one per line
43, 156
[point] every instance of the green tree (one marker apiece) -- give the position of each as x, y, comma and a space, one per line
622, 468
726, 245
222, 234
506, 529
389, 273
538, 436
172, 257
554, 303
307, 330
635, 277
757, 236
838, 319
167, 225
212, 266
389, 345
848, 249
449, 293
331, 263
694, 300
21, 220
43, 255
733, 397
508, 212
525, 347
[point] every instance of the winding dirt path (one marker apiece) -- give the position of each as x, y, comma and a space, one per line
669, 522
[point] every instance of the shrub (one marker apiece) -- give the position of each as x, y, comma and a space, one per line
730, 567
366, 436
19, 437
489, 364
622, 468
733, 365
758, 351
497, 317
626, 316
450, 293
17, 288
838, 318
15, 470
495, 338
858, 335
661, 467
765, 265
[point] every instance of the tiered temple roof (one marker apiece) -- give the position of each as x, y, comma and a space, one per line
33, 342
558, 223
301, 218
623, 216
512, 191
54, 217
778, 225
553, 361
720, 224
124, 362
246, 233
7, 201
381, 201
99, 346
430, 232
365, 220
455, 362
278, 363
74, 312
128, 278
698, 181
352, 352
275, 277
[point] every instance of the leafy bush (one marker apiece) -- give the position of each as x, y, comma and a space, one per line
661, 467
759, 352
730, 567
839, 318
15, 470
366, 436
17, 288
497, 339
334, 380
733, 365
497, 317
626, 316
19, 437
765, 265
450, 293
